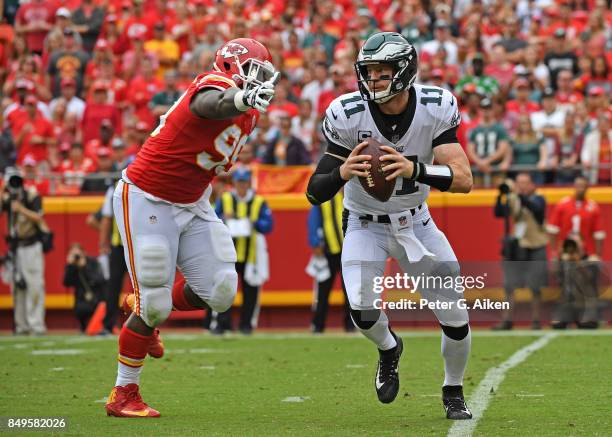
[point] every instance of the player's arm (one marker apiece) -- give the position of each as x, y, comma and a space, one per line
215, 104
337, 166
452, 173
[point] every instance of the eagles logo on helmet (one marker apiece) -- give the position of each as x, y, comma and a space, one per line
386, 48
248, 62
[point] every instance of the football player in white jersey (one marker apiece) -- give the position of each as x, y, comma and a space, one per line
416, 124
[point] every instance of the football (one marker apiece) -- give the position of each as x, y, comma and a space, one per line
375, 183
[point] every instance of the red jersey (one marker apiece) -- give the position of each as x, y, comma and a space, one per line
185, 152
522, 108
583, 218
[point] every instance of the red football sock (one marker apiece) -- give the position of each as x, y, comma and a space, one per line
132, 352
132, 347
179, 300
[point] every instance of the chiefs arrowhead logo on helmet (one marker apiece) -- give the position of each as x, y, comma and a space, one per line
246, 60
232, 49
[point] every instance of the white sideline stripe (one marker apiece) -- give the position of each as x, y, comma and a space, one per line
57, 352
480, 398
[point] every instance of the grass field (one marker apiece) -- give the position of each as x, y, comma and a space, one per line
287, 384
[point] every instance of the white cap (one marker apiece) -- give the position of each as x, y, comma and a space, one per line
63, 12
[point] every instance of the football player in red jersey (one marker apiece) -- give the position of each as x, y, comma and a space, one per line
163, 212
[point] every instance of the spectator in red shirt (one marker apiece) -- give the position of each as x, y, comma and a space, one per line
76, 166
521, 103
181, 28
34, 20
597, 152
102, 51
32, 177
281, 105
29, 69
566, 96
104, 169
470, 109
580, 216
97, 110
133, 60
15, 114
141, 90
117, 87
341, 80
35, 134
103, 141
135, 22
293, 58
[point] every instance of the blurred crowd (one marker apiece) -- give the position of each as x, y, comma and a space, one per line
85, 82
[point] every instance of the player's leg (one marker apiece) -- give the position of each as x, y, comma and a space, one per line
335, 267
117, 269
250, 296
207, 257
364, 255
321, 304
511, 274
456, 338
150, 236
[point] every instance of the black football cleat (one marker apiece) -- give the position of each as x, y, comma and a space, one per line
387, 377
454, 403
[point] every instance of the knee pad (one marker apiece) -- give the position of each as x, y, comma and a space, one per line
456, 333
156, 306
153, 261
225, 284
365, 319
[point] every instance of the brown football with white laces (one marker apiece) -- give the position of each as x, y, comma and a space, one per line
375, 183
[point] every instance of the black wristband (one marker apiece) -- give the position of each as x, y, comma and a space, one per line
437, 176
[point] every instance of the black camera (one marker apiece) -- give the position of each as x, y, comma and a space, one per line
13, 182
504, 188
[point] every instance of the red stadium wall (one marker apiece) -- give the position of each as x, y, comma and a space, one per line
468, 222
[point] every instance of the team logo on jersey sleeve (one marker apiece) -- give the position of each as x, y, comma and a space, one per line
233, 49
329, 128
456, 119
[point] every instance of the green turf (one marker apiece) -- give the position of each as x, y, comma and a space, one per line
562, 389
236, 386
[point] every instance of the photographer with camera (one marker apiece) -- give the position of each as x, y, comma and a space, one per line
84, 273
580, 218
578, 299
524, 251
25, 226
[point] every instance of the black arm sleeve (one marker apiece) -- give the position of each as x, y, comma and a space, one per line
326, 180
446, 137
215, 105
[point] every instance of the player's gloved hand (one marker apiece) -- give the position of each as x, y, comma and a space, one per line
258, 97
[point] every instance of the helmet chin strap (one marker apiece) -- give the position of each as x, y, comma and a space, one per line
385, 98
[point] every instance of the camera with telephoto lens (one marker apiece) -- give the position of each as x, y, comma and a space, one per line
503, 188
14, 182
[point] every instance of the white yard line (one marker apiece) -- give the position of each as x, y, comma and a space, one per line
480, 398
10, 340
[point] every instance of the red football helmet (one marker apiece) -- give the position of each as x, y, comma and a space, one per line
247, 60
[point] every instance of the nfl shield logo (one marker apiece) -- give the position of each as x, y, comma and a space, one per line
403, 220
